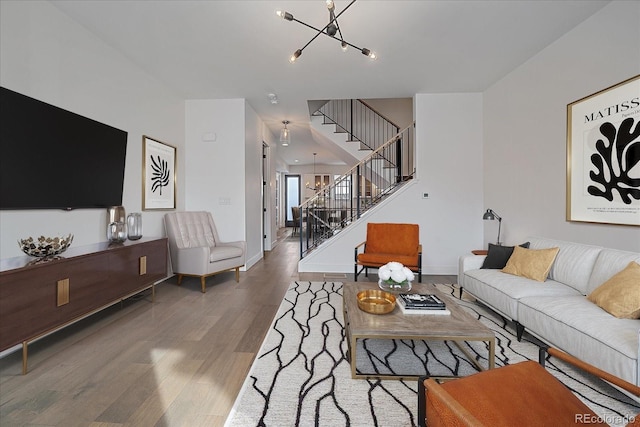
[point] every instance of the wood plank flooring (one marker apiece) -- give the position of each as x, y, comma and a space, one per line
180, 361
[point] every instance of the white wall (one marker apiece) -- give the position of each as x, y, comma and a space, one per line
214, 175
449, 167
525, 128
253, 186
397, 110
46, 55
224, 176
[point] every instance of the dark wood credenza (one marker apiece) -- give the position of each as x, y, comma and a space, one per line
39, 296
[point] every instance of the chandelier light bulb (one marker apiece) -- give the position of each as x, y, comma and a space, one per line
330, 4
284, 15
295, 56
344, 46
370, 54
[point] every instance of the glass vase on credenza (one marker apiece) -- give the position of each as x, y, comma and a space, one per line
134, 226
117, 232
116, 224
116, 214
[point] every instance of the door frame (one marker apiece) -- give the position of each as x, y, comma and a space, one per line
287, 207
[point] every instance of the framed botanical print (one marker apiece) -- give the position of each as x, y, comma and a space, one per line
158, 175
603, 156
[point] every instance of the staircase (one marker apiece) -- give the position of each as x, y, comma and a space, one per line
388, 165
359, 121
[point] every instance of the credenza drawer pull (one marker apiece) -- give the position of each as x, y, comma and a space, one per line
63, 292
143, 265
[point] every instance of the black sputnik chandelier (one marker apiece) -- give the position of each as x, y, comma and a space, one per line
332, 30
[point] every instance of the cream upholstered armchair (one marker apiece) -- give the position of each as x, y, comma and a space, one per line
196, 249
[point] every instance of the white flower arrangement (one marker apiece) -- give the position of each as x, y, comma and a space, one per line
394, 273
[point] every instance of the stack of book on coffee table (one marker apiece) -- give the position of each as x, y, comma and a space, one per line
421, 304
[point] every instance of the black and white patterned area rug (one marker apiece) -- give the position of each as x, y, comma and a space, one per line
302, 377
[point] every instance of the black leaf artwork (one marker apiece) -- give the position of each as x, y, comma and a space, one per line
160, 174
614, 160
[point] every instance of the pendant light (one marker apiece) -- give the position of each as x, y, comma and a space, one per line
285, 135
316, 186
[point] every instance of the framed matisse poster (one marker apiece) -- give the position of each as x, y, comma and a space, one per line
603, 156
158, 175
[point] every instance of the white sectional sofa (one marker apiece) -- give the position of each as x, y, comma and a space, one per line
557, 310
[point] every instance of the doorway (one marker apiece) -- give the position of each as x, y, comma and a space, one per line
292, 197
266, 223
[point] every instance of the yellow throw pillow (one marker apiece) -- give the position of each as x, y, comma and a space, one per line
531, 263
620, 295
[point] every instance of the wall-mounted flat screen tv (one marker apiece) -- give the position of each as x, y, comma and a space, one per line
51, 158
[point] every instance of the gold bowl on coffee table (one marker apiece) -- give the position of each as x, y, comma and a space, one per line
375, 301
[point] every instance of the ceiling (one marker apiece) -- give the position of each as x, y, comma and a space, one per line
240, 49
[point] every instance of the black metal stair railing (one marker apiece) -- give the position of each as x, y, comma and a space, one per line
339, 204
361, 122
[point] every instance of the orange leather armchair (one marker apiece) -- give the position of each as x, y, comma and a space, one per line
388, 242
523, 394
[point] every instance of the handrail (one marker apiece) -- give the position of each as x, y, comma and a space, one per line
361, 122
380, 114
339, 204
381, 148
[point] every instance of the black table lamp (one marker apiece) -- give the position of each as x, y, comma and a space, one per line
491, 215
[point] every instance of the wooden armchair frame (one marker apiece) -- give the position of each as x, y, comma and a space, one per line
535, 385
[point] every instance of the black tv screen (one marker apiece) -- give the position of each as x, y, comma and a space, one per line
51, 158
